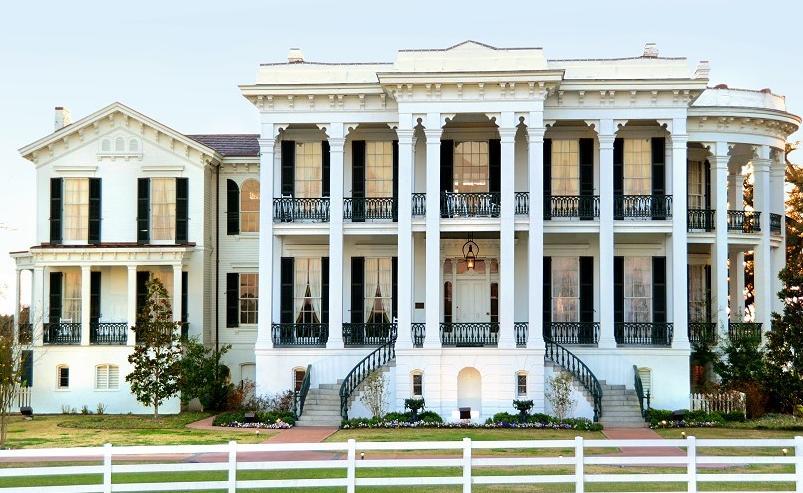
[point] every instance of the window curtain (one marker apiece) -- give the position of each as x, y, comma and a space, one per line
371, 283
300, 288
71, 310
637, 167
76, 209
565, 167
163, 208
638, 289
565, 289
697, 298
386, 285
315, 285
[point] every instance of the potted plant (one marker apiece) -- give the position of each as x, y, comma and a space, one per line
414, 405
523, 407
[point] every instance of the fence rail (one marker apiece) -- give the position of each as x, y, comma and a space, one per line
700, 219
62, 333
723, 402
572, 332
775, 223
469, 334
290, 335
419, 204
643, 333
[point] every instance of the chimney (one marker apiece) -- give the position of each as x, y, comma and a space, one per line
295, 56
703, 69
650, 51
63, 118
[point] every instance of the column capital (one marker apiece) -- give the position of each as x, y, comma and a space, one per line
606, 141
405, 135
679, 141
535, 135
336, 144
131, 268
266, 145
507, 134
433, 134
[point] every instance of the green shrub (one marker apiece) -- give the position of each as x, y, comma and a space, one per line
430, 417
269, 417
734, 417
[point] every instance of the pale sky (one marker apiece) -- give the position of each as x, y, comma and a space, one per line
180, 62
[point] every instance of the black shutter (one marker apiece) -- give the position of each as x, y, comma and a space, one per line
618, 289
494, 165
586, 148
182, 209
659, 289
547, 178
658, 176
395, 181
708, 293
357, 289
325, 168
547, 296
395, 288
185, 292
56, 195
233, 299
27, 368
586, 289
325, 290
357, 181
56, 288
94, 297
143, 210
94, 210
618, 177
232, 208
288, 167
286, 295
447, 165
709, 220
142, 289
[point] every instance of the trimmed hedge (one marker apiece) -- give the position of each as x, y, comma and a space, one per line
541, 420
663, 418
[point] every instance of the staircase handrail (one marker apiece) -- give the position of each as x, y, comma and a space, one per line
579, 370
640, 393
301, 394
375, 359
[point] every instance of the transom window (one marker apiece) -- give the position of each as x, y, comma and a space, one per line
307, 290
71, 297
565, 167
418, 384
163, 209
249, 206
697, 294
63, 377
249, 294
565, 289
107, 377
308, 170
378, 169
637, 167
471, 167
521, 384
696, 190
638, 289
76, 209
378, 290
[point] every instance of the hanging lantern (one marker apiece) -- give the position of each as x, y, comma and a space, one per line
470, 251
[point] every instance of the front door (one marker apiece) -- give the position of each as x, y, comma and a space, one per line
472, 301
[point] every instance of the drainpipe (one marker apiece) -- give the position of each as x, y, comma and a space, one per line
217, 258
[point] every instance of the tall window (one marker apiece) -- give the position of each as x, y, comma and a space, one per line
697, 294
521, 384
71, 297
565, 167
418, 383
249, 206
63, 377
163, 208
637, 167
107, 377
307, 290
76, 209
696, 190
378, 169
471, 167
565, 289
249, 293
638, 289
309, 170
447, 302
494, 302
378, 290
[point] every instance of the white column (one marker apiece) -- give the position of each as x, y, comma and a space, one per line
736, 287
736, 190
432, 304
606, 240
777, 195
719, 253
131, 307
762, 267
535, 238
176, 292
16, 299
38, 305
336, 143
507, 240
266, 250
404, 246
86, 281
680, 258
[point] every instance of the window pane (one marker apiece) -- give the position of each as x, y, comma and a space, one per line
637, 167
697, 294
696, 186
638, 289
307, 290
71, 297
565, 289
249, 206
163, 208
378, 290
471, 167
64, 377
76, 209
378, 169
565, 167
308, 170
249, 293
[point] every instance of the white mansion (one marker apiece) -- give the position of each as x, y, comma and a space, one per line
466, 220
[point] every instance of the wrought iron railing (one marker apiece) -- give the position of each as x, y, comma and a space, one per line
582, 373
185, 331
469, 204
643, 399
643, 333
572, 206
469, 334
522, 332
359, 209
744, 221
304, 335
572, 332
62, 333
775, 223
371, 363
642, 206
740, 331
25, 333
700, 220
287, 210
419, 204
419, 332
300, 395
521, 203
703, 333
111, 333
367, 334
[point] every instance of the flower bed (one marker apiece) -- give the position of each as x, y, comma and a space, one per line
430, 419
662, 418
267, 420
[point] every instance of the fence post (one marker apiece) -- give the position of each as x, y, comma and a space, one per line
351, 474
466, 465
107, 468
232, 466
799, 464
579, 465
691, 463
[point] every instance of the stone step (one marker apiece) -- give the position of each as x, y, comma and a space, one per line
317, 411
329, 423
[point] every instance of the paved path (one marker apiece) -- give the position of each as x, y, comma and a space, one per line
641, 434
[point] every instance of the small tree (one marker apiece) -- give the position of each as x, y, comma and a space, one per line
157, 355
374, 390
559, 394
204, 377
11, 369
741, 366
785, 343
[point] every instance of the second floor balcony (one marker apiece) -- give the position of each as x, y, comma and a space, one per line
289, 209
700, 220
475, 204
744, 221
361, 209
584, 207
642, 207
643, 333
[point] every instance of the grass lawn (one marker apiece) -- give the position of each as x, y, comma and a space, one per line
732, 433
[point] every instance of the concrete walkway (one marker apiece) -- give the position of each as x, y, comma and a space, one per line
641, 434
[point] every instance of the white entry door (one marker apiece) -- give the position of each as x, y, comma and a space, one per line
472, 301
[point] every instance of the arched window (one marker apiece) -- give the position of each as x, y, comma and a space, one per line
107, 377
521, 384
417, 383
63, 377
133, 146
249, 206
119, 144
298, 378
106, 145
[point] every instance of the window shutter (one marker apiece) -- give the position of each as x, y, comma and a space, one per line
102, 377
142, 289
586, 147
27, 368
94, 210
547, 297
395, 287
618, 289
357, 181
114, 377
709, 226
547, 179
94, 297
325, 290
56, 194
659, 289
232, 208
708, 314
618, 177
232, 299
288, 167
182, 209
286, 297
586, 289
185, 291
357, 289
395, 181
447, 165
494, 165
326, 167
143, 210
658, 175
56, 289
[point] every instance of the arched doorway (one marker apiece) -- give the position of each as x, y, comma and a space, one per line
469, 393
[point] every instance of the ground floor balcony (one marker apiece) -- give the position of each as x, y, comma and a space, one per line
739, 331
469, 334
706, 333
368, 334
643, 333
300, 335
111, 333
62, 333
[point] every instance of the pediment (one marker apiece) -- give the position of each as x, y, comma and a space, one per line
471, 56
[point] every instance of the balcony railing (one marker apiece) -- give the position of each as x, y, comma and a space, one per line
744, 221
366, 334
572, 332
419, 332
419, 204
703, 333
572, 206
740, 331
700, 220
642, 206
25, 333
111, 333
287, 210
359, 209
643, 333
521, 203
62, 333
185, 331
300, 335
474, 334
522, 333
469, 204
775, 223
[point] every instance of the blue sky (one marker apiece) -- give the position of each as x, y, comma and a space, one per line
180, 62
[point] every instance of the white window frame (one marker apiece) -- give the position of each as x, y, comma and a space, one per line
108, 367
241, 300
163, 214
631, 298
71, 305
696, 185
75, 210
308, 170
370, 279
697, 293
471, 167
566, 299
59, 368
522, 374
312, 263
249, 206
637, 167
413, 375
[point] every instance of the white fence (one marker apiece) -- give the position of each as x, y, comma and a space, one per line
722, 402
691, 468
